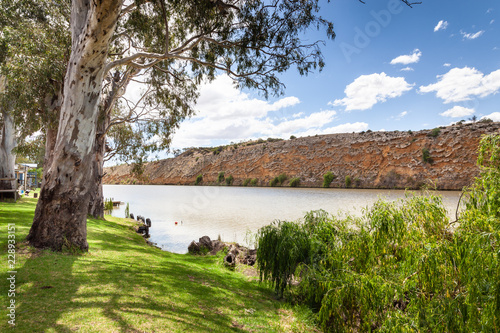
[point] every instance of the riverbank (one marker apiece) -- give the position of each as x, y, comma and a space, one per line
443, 158
124, 285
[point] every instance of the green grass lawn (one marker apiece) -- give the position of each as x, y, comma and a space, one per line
124, 285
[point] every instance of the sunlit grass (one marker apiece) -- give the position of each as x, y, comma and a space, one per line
124, 285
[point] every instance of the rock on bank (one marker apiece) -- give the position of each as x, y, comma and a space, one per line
370, 160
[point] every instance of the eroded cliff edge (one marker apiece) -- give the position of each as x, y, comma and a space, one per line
371, 160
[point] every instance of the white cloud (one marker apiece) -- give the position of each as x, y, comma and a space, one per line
314, 121
492, 21
447, 65
457, 111
407, 69
222, 100
408, 58
472, 35
226, 114
442, 25
399, 116
462, 84
495, 116
368, 90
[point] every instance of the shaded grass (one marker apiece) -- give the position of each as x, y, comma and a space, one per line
124, 285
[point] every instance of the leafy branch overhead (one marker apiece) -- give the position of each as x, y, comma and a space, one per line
250, 41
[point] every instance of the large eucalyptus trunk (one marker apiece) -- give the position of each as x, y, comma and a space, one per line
7, 157
61, 213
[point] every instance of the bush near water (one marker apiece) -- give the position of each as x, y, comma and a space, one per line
401, 267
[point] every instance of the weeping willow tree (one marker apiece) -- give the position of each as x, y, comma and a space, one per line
401, 267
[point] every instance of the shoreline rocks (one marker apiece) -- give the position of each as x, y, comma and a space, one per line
236, 254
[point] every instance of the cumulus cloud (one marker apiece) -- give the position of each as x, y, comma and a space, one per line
442, 25
222, 100
447, 65
458, 111
495, 116
407, 69
368, 90
472, 35
462, 84
226, 114
407, 58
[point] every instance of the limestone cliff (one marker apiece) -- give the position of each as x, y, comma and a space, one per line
371, 160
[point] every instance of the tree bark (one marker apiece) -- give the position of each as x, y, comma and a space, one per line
7, 157
61, 214
117, 88
96, 204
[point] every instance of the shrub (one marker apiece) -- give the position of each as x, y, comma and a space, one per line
391, 179
434, 132
229, 180
485, 120
246, 181
220, 177
199, 179
357, 182
127, 211
282, 178
328, 179
426, 155
348, 181
292, 137
108, 205
281, 246
400, 267
273, 182
253, 182
294, 182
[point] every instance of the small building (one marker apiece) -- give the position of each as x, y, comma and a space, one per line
26, 178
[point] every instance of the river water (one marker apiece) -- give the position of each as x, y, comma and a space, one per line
234, 212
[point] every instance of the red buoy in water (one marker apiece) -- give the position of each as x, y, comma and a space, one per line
176, 222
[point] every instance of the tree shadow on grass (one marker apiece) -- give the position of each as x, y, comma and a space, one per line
56, 294
121, 285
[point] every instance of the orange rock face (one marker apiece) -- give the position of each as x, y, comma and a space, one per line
371, 160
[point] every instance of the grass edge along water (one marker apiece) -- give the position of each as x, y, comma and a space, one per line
123, 284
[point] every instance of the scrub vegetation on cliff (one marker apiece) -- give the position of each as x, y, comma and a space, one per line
401, 267
444, 157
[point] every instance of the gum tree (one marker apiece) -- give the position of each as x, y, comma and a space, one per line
180, 44
31, 72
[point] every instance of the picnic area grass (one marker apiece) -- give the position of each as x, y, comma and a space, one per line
124, 285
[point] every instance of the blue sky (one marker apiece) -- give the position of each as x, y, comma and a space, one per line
390, 68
